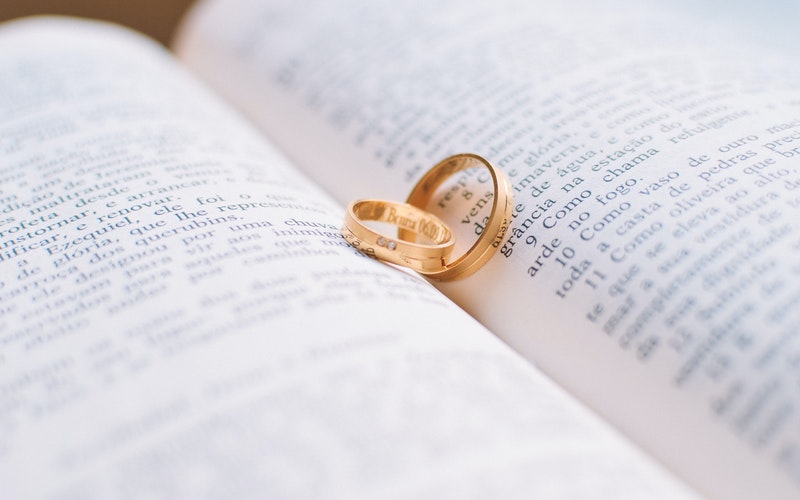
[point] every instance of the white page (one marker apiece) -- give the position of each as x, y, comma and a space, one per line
654, 157
181, 319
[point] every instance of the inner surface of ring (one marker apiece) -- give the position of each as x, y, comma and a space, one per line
404, 217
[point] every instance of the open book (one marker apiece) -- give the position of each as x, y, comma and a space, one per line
181, 318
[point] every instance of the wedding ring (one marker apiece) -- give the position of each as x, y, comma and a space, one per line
497, 223
417, 256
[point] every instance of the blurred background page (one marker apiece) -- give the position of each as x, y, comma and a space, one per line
771, 23
156, 18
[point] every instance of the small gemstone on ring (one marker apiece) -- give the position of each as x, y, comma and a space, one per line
391, 245
381, 241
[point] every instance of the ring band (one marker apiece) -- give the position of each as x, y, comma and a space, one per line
496, 227
417, 256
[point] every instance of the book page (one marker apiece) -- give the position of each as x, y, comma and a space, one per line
181, 317
653, 259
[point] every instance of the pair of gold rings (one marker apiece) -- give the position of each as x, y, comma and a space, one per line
413, 220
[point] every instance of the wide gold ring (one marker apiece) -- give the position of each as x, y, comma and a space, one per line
417, 256
496, 226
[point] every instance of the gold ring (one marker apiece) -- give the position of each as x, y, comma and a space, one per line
417, 256
498, 221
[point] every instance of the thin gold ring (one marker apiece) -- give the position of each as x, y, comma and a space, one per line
417, 256
496, 227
